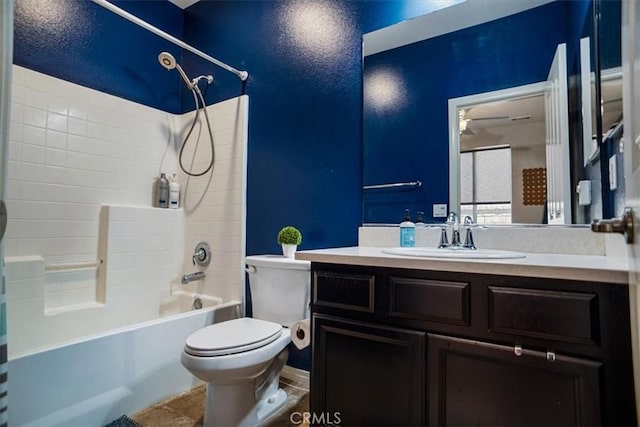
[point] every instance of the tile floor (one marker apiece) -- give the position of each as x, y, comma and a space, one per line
187, 409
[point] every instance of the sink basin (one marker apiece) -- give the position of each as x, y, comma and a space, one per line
458, 253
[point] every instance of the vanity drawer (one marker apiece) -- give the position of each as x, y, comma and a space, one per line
344, 290
430, 300
556, 315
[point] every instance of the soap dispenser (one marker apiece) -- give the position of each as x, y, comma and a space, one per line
407, 231
162, 191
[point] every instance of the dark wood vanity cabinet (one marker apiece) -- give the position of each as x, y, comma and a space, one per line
412, 347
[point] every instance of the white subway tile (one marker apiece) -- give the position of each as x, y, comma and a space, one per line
57, 122
53, 157
35, 98
33, 172
77, 126
35, 116
33, 153
56, 174
76, 143
17, 75
55, 139
33, 135
17, 94
15, 151
16, 132
78, 110
57, 104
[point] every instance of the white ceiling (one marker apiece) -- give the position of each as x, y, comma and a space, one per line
493, 122
183, 4
462, 14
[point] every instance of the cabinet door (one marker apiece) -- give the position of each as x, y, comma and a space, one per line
367, 375
477, 383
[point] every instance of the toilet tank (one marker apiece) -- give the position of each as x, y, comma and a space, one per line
280, 288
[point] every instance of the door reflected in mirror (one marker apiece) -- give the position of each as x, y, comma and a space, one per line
503, 161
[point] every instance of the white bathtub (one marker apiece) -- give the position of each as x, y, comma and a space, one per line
93, 381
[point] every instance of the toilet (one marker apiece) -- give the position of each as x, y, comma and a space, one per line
241, 359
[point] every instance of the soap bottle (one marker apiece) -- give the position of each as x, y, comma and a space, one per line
420, 219
162, 191
407, 231
174, 193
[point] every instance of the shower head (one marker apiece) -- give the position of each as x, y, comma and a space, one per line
169, 62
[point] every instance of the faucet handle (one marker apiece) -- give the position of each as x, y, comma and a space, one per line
452, 218
468, 240
201, 254
444, 242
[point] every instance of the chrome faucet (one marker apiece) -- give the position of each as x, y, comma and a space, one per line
468, 240
187, 278
452, 223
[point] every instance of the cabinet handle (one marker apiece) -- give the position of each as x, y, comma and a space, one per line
517, 350
551, 356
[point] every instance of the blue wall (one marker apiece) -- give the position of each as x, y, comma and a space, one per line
81, 42
305, 88
408, 140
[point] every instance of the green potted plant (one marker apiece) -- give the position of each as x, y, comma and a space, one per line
289, 237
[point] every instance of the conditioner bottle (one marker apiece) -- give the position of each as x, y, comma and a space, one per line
174, 193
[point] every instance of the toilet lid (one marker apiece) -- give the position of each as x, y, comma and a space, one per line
232, 336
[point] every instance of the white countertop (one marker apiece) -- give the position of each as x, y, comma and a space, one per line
593, 268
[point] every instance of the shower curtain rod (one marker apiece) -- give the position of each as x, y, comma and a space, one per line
126, 15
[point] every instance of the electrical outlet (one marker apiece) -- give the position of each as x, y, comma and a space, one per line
440, 210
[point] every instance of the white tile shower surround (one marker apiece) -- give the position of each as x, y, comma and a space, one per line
72, 150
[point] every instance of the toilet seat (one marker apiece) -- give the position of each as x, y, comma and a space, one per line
231, 337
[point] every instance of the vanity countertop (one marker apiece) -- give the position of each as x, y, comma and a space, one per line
593, 268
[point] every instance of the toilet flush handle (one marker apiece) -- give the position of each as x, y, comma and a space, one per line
250, 269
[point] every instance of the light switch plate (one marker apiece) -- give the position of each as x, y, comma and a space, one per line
440, 210
613, 172
584, 192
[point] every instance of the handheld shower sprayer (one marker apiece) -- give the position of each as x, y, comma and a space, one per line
169, 62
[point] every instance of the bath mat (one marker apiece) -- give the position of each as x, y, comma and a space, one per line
123, 421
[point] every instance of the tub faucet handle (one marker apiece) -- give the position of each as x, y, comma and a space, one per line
201, 254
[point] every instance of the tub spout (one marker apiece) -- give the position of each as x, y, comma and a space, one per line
198, 275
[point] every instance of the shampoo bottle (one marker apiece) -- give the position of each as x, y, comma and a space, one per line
162, 191
407, 231
174, 193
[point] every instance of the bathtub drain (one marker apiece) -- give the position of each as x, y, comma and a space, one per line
197, 303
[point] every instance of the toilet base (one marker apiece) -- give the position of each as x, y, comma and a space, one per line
229, 411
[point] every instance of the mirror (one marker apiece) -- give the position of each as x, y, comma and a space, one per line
464, 50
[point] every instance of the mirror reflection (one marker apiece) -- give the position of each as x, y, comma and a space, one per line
408, 124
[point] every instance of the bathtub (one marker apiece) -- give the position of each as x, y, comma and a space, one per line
93, 381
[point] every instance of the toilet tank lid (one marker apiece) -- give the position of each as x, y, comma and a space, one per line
277, 261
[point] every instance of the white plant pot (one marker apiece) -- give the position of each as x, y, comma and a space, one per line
289, 251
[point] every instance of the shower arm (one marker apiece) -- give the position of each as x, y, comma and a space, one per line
126, 15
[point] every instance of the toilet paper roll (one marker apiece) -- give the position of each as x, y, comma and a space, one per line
301, 334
